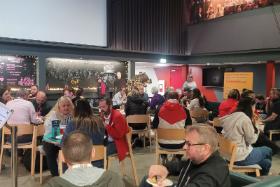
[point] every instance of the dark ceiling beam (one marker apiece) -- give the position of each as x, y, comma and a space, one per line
81, 51
241, 56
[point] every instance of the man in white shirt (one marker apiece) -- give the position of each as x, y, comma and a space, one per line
119, 98
189, 83
23, 112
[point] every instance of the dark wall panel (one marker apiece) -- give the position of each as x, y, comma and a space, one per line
259, 78
251, 30
147, 25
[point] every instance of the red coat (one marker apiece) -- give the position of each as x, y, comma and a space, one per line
227, 107
117, 129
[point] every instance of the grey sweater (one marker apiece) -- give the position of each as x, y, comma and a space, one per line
238, 128
87, 177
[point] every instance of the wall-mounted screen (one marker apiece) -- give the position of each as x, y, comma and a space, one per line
18, 71
65, 21
213, 77
203, 10
88, 74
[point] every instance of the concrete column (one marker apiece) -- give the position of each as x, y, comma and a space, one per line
131, 70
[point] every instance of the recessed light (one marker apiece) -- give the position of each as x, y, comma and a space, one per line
162, 60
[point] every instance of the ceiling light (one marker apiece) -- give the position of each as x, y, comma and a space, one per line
162, 65
162, 60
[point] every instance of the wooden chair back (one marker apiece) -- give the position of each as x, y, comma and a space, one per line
139, 118
21, 130
227, 150
170, 134
40, 130
100, 153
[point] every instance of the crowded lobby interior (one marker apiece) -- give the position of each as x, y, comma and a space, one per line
182, 93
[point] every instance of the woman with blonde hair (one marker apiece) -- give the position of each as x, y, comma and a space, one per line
84, 120
63, 112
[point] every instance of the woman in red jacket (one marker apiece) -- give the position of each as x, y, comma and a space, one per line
229, 105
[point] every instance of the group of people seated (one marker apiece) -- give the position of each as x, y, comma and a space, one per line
239, 116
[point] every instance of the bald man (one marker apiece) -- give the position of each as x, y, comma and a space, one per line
40, 104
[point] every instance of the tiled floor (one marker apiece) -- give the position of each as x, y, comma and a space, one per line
144, 158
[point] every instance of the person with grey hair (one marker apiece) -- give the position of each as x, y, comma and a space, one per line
23, 112
41, 104
204, 167
157, 99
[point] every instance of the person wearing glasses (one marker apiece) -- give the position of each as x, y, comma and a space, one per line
204, 167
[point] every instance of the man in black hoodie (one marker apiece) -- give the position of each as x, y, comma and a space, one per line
204, 167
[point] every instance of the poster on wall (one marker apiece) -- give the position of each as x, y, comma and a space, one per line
237, 80
203, 10
18, 71
88, 74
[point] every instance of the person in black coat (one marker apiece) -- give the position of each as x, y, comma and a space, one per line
136, 105
41, 104
204, 167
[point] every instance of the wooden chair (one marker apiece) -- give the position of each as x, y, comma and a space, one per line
169, 134
40, 132
272, 132
21, 130
131, 157
100, 154
144, 118
227, 150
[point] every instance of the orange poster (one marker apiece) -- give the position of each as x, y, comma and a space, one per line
238, 80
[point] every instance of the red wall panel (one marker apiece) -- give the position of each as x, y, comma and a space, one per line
174, 76
209, 93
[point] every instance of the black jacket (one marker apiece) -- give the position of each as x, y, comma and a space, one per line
135, 105
43, 109
213, 172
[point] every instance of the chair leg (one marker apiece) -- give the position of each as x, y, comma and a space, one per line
258, 173
105, 164
122, 166
60, 165
1, 158
41, 168
144, 141
33, 157
270, 136
150, 139
134, 170
11, 162
109, 160
157, 157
